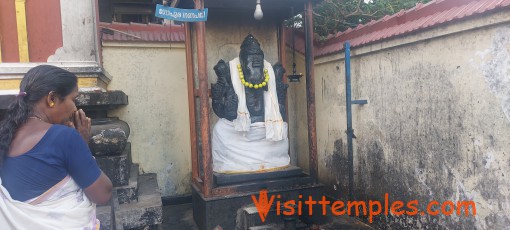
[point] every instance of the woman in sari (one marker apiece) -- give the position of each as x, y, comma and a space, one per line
49, 178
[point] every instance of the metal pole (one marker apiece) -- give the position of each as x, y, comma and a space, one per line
348, 104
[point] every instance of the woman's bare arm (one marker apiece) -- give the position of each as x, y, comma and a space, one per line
100, 191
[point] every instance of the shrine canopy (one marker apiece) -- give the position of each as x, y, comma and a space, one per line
273, 9
228, 23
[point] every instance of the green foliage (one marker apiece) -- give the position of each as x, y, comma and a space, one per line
332, 16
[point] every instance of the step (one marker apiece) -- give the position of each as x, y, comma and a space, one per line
250, 220
249, 217
345, 223
104, 215
148, 211
129, 193
117, 167
299, 226
295, 182
110, 99
267, 227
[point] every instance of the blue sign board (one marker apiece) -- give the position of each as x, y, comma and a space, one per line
177, 14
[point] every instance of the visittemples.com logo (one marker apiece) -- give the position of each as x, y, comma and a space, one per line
264, 203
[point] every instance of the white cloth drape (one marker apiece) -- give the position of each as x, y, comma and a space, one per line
64, 206
236, 152
273, 119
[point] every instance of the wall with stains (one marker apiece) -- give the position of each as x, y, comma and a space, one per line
437, 125
296, 104
153, 75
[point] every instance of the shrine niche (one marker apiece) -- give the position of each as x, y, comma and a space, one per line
242, 145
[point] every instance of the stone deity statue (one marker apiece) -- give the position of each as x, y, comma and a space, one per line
249, 98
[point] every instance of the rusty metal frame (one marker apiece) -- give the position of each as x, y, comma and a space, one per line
191, 101
203, 88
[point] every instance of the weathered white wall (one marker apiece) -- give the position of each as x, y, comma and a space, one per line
153, 75
437, 125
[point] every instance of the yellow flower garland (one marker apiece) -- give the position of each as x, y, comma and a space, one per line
250, 85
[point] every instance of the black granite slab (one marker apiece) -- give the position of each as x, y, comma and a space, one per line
225, 179
209, 213
95, 103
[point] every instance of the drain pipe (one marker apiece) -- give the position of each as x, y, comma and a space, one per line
349, 102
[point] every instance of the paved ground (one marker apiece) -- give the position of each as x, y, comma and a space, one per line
178, 217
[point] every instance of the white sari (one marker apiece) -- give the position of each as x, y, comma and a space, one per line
64, 206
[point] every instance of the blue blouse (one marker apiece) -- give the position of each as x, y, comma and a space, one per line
60, 152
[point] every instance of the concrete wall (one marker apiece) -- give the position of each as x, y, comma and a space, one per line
437, 126
153, 75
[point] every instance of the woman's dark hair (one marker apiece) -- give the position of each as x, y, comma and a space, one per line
37, 83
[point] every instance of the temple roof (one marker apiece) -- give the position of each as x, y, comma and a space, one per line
135, 32
419, 18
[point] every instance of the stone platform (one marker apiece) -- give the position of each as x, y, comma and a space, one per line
227, 211
136, 200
